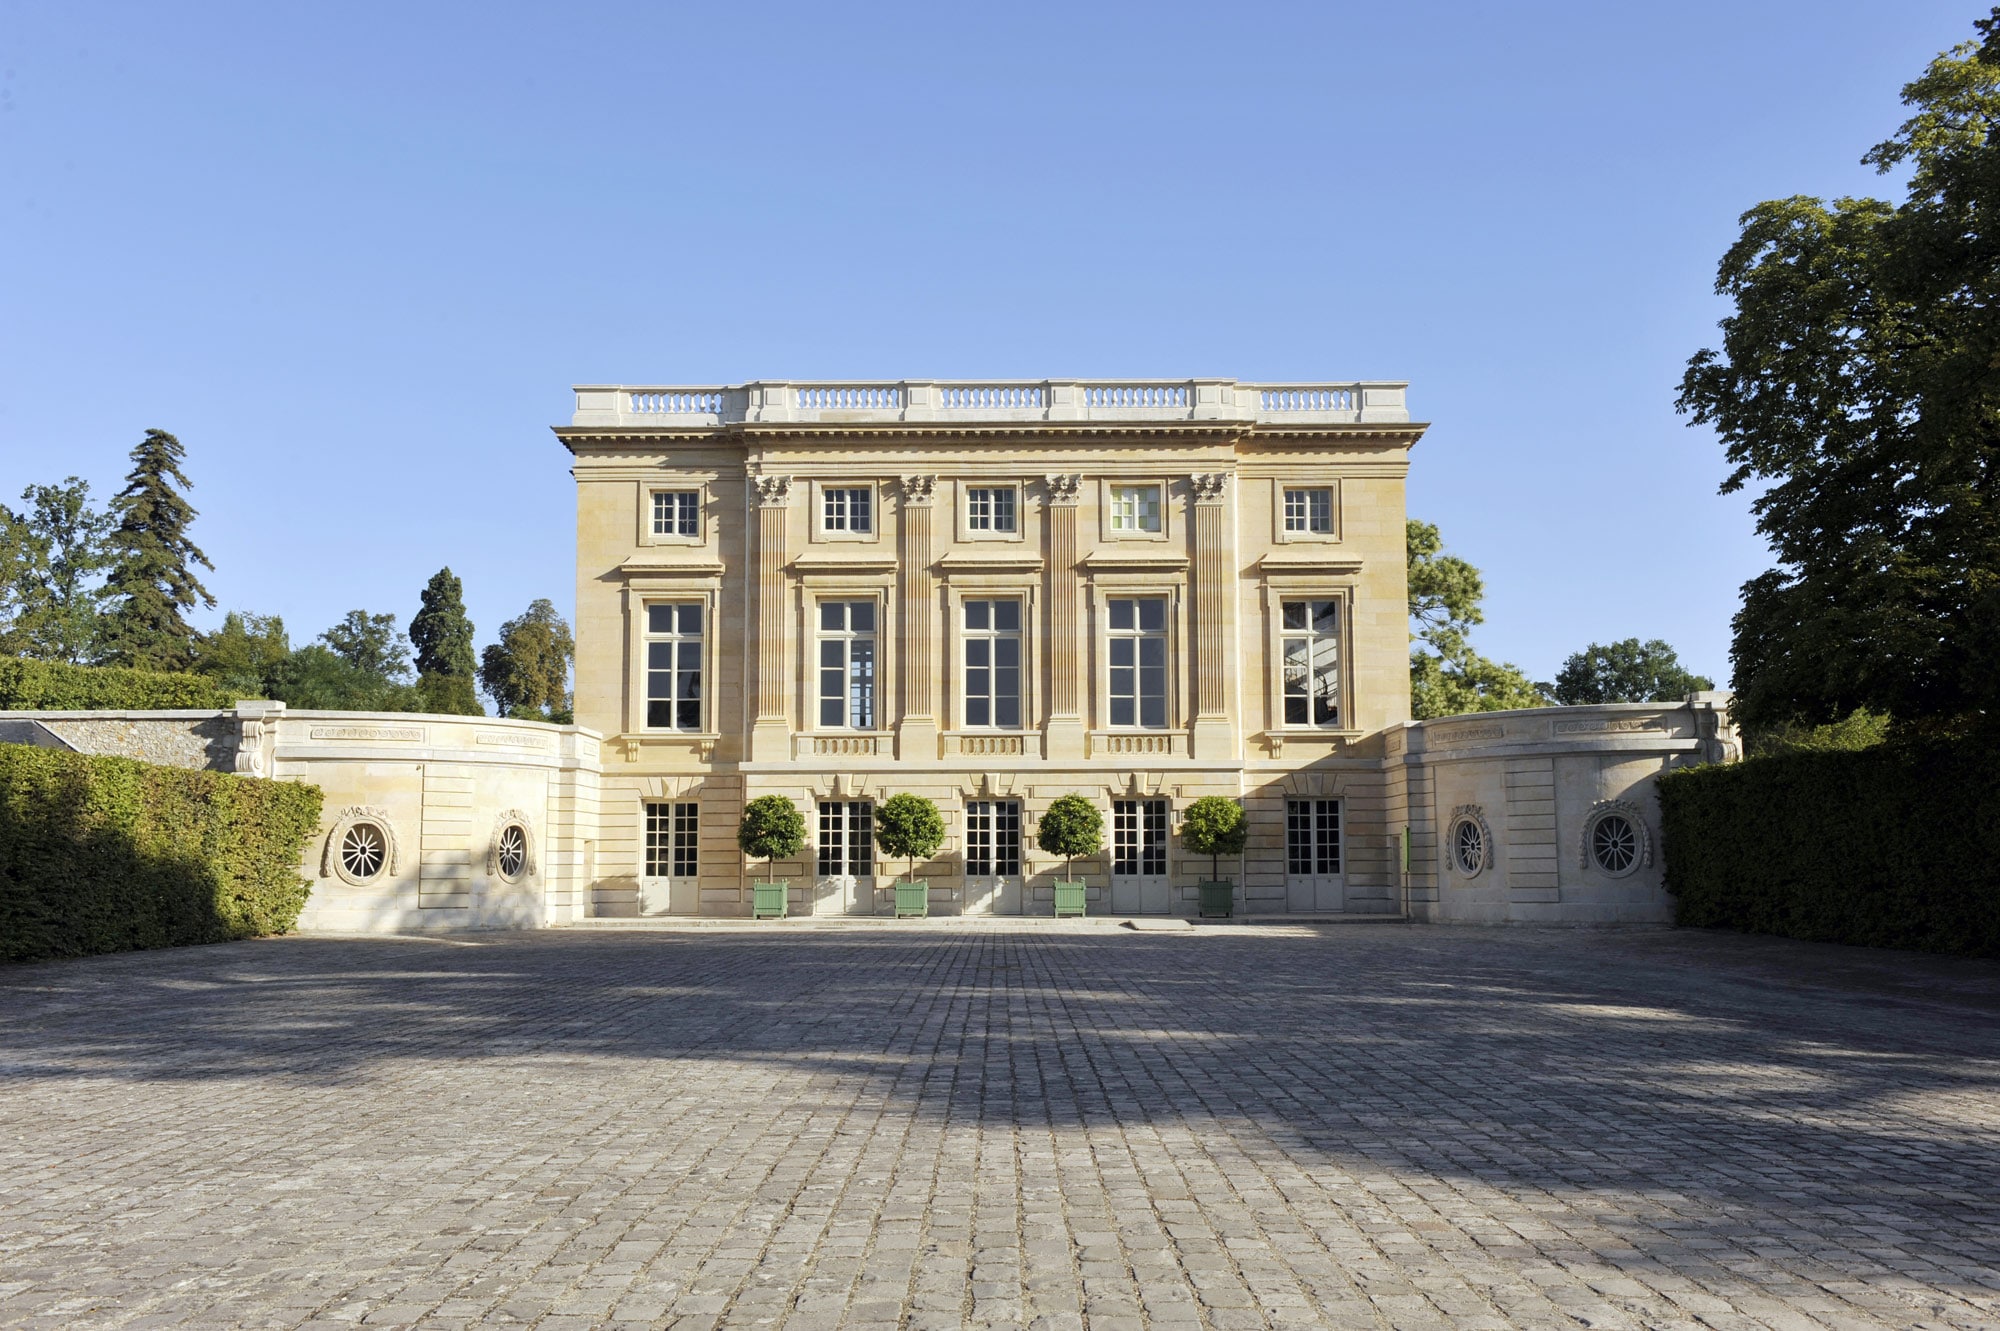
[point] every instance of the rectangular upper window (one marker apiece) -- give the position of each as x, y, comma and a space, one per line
673, 666
992, 647
847, 665
1309, 511
676, 512
848, 510
1135, 508
1139, 661
990, 509
1311, 657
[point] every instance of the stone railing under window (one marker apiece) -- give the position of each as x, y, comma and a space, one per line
989, 400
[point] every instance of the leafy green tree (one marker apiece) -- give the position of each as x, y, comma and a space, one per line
371, 643
908, 827
53, 555
244, 651
1446, 676
1861, 729
1858, 386
1626, 671
152, 578
1069, 827
319, 678
526, 673
442, 636
1214, 826
772, 829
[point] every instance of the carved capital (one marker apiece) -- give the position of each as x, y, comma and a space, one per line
917, 489
773, 491
1208, 486
1064, 488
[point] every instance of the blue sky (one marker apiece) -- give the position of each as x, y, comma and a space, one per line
354, 255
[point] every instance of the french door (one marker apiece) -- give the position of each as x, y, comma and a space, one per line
1139, 857
1314, 881
845, 884
993, 857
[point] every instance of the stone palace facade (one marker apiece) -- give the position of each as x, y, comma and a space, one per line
990, 594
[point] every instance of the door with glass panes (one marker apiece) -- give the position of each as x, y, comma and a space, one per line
1314, 881
845, 883
993, 857
1139, 857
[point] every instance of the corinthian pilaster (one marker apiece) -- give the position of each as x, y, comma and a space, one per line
916, 732
1063, 732
770, 735
1214, 663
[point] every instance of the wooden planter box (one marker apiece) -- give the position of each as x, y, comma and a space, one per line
913, 898
1216, 898
1069, 898
771, 901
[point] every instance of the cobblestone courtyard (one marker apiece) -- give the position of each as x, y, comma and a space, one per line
1347, 1125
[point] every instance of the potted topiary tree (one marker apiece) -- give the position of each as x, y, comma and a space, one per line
772, 829
1071, 826
909, 827
1214, 826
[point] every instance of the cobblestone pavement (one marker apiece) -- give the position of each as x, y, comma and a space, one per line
1349, 1125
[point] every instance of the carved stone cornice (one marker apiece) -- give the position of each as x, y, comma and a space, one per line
1064, 487
917, 489
773, 491
1208, 486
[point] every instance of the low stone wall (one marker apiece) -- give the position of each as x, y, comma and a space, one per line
171, 739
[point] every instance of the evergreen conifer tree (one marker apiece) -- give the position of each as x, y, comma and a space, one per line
442, 636
152, 575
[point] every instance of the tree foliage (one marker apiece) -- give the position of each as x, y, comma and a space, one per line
243, 653
1069, 827
442, 636
1858, 381
372, 643
1446, 676
1214, 826
526, 673
908, 827
1625, 671
772, 829
53, 555
152, 580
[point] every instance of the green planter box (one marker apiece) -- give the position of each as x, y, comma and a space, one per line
1217, 899
913, 898
771, 901
1069, 898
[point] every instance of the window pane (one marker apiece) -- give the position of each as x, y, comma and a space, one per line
833, 615
859, 501
1296, 613
1007, 708
832, 654
1006, 652
690, 620
659, 619
660, 656
1153, 653
1122, 614
978, 651
1322, 510
1007, 616
1121, 707
977, 510
861, 684
1152, 616
1326, 616
976, 686
977, 711
861, 616
659, 712
831, 708
1003, 510
977, 614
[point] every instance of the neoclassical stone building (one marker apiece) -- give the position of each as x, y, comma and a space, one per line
991, 594
996, 593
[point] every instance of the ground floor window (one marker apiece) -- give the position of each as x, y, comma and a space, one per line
846, 838
1312, 837
673, 839
993, 838
1139, 837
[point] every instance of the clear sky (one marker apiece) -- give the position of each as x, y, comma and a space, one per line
355, 254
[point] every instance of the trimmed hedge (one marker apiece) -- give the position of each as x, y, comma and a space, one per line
51, 686
1897, 846
103, 854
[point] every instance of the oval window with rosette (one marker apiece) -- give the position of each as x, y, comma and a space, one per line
1468, 847
364, 852
511, 856
1615, 841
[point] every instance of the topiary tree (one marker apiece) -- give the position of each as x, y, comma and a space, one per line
1214, 826
909, 827
772, 829
1070, 827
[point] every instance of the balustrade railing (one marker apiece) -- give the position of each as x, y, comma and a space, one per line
1135, 395
992, 397
677, 401
856, 397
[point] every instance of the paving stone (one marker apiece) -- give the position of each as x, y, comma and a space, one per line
1335, 1125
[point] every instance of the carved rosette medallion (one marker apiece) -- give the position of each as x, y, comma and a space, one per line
917, 490
1064, 487
773, 491
1209, 486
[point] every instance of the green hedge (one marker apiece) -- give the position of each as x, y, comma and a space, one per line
102, 854
50, 686
1897, 846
